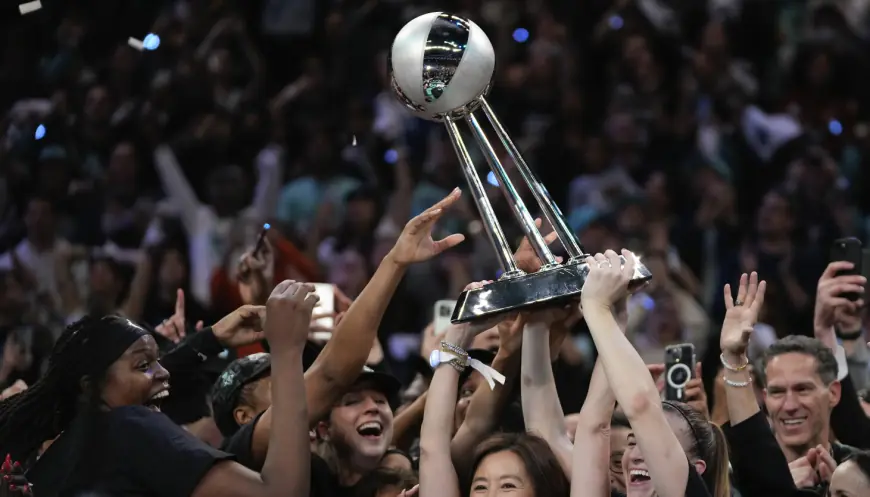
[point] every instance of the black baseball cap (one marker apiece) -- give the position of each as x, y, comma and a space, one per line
385, 383
228, 388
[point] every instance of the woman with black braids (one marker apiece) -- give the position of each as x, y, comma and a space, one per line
100, 398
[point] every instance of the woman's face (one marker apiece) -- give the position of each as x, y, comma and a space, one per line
173, 270
136, 378
634, 468
848, 481
502, 473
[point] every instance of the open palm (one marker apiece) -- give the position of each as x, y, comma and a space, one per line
415, 244
741, 313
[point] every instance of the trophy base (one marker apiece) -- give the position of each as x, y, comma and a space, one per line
546, 288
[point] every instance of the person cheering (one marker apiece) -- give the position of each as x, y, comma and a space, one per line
101, 395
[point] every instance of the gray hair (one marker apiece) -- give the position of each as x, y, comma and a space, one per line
826, 363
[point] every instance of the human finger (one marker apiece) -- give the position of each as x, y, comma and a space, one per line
179, 302
741, 289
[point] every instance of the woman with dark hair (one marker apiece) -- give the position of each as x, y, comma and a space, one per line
852, 476
522, 464
672, 450
101, 395
518, 461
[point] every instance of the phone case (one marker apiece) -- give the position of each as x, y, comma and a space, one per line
679, 369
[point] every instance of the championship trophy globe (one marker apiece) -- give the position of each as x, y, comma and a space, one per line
441, 68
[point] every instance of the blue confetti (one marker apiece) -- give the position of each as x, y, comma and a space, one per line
835, 127
391, 156
521, 35
151, 42
490, 178
40, 132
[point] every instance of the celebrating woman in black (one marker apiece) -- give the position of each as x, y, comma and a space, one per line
101, 393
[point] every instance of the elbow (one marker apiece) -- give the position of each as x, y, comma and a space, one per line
641, 402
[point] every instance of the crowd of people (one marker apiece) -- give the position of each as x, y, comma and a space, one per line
221, 254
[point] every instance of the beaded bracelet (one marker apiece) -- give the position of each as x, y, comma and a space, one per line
737, 384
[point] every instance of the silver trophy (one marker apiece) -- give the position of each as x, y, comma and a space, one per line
441, 67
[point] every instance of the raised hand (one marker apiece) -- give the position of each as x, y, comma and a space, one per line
14, 483
741, 315
463, 334
415, 243
510, 333
830, 304
696, 395
526, 257
254, 273
608, 279
288, 315
173, 327
803, 469
243, 326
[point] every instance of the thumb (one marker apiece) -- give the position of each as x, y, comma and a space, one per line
813, 457
697, 370
199, 325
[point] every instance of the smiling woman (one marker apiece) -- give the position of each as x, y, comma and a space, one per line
99, 403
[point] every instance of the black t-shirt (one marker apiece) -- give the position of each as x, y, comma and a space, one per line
144, 454
239, 444
323, 482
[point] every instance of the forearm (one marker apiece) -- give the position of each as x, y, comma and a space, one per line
740, 400
288, 460
345, 354
542, 411
268, 189
407, 422
176, 186
437, 474
484, 409
135, 304
626, 372
590, 473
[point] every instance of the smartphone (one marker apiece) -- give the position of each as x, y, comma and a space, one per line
326, 305
679, 369
443, 313
848, 249
261, 238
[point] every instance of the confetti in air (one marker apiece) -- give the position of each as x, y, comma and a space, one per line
26, 8
354, 141
135, 43
40, 132
151, 42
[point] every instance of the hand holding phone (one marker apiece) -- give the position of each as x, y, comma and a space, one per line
443, 313
324, 321
849, 250
679, 369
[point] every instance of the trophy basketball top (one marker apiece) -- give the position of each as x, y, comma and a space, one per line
440, 64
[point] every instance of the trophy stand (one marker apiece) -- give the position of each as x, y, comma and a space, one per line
441, 69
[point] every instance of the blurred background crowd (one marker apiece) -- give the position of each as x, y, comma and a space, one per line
712, 137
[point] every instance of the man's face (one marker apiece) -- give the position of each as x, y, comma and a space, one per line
361, 426
798, 401
618, 443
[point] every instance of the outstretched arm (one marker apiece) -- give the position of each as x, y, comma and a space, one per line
628, 376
